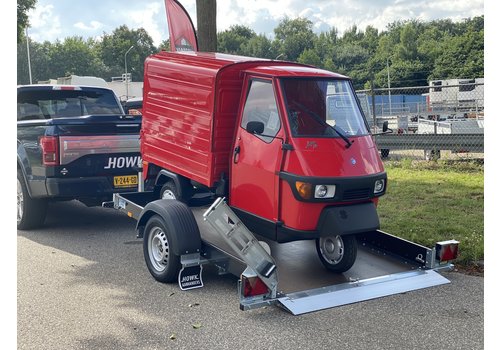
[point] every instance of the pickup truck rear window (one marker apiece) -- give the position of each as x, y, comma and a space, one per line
49, 103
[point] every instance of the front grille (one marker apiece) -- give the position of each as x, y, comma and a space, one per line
356, 194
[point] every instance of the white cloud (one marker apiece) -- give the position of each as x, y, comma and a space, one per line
146, 19
44, 24
94, 26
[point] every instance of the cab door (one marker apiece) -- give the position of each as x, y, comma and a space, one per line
257, 158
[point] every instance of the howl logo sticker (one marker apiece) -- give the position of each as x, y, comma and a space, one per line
190, 277
123, 162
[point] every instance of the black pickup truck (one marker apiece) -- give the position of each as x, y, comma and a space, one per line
73, 142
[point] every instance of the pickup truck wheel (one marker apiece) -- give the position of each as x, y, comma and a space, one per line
337, 253
162, 262
30, 212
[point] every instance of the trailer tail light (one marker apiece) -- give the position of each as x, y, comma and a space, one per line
253, 286
50, 150
447, 250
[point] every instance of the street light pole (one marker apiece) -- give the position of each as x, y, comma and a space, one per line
126, 75
28, 51
389, 86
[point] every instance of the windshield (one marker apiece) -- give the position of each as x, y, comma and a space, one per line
49, 103
322, 108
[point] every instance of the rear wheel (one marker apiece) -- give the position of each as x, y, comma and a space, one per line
162, 262
30, 212
170, 191
337, 253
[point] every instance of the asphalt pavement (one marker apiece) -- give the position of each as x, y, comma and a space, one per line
82, 284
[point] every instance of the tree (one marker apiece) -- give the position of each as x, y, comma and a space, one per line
23, 6
233, 40
114, 46
293, 36
258, 46
206, 14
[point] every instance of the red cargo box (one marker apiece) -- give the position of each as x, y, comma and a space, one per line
191, 102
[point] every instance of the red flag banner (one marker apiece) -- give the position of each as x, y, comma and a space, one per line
181, 28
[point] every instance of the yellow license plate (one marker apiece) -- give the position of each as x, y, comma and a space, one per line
125, 181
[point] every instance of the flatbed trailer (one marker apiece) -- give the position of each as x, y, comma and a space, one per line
386, 265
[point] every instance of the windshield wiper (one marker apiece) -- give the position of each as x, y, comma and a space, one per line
320, 120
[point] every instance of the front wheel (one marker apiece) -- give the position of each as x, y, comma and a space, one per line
337, 253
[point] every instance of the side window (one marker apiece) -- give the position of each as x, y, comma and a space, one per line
29, 111
261, 106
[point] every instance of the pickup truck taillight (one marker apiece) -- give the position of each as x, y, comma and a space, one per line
50, 150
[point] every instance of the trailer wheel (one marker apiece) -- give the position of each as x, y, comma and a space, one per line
162, 262
337, 253
30, 212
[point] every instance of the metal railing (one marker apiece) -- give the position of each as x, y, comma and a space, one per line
439, 121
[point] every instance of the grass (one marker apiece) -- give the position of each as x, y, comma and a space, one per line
427, 202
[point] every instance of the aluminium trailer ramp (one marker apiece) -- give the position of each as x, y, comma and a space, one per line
306, 286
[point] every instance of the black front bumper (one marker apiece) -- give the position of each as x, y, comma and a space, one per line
336, 220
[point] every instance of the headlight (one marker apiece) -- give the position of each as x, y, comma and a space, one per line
379, 186
305, 190
324, 191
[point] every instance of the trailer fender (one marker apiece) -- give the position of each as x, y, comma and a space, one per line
348, 219
178, 219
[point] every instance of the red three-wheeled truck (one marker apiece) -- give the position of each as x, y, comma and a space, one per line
234, 146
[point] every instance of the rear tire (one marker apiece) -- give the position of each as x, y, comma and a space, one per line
337, 253
161, 261
30, 212
170, 191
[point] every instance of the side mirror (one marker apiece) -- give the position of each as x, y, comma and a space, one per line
385, 126
255, 127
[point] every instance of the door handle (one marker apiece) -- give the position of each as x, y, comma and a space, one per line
235, 156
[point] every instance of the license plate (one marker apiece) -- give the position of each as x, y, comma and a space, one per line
125, 181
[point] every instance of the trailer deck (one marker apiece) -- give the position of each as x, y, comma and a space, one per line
385, 265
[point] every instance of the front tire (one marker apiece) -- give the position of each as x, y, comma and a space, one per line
162, 262
337, 253
30, 212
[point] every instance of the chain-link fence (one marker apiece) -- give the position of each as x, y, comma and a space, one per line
443, 120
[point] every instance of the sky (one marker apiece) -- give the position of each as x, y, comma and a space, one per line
58, 19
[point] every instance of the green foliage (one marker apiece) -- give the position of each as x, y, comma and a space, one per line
427, 202
233, 39
23, 6
413, 51
74, 55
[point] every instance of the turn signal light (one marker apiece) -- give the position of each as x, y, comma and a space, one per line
304, 189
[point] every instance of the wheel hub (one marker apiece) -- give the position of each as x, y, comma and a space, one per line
20, 201
168, 194
332, 249
158, 249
